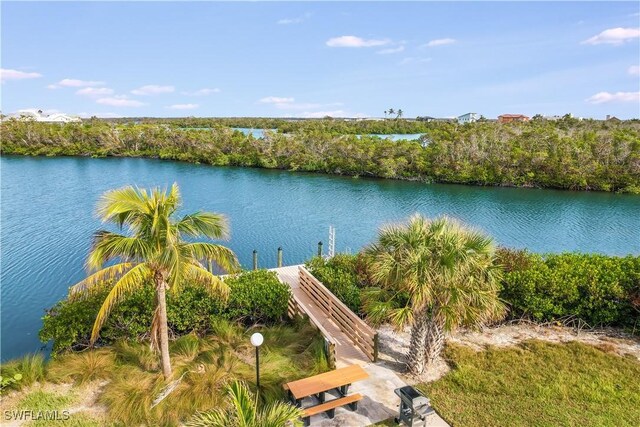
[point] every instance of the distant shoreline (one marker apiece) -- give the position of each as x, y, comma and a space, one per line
565, 155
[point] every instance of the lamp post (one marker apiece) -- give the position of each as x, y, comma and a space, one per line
256, 340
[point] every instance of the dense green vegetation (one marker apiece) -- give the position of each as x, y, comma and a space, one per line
538, 384
570, 154
254, 296
596, 289
132, 374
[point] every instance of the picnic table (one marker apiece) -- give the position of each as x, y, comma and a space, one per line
318, 385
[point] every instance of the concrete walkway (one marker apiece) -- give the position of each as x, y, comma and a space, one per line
380, 402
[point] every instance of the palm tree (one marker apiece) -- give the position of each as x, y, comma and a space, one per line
446, 276
385, 114
243, 411
153, 254
391, 112
400, 113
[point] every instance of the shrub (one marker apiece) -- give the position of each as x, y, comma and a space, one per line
22, 372
257, 296
69, 322
340, 276
597, 289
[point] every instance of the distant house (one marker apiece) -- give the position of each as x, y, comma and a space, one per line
612, 118
508, 118
39, 116
552, 118
468, 118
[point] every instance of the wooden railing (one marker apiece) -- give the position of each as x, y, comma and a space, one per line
361, 334
296, 308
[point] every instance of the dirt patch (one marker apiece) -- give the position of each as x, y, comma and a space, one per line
84, 398
393, 345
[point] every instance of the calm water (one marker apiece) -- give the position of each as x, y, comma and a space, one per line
397, 136
256, 133
47, 219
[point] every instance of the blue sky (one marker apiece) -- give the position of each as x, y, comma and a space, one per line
311, 59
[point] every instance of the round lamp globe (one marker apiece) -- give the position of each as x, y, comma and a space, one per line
257, 339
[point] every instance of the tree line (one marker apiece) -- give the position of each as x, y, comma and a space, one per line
566, 154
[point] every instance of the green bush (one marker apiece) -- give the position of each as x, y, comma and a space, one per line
340, 275
69, 323
257, 297
18, 373
598, 289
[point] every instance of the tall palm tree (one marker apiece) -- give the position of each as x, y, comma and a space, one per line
399, 113
243, 411
446, 274
391, 112
153, 253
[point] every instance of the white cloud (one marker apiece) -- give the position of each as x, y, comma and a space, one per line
95, 91
202, 92
120, 101
183, 106
614, 36
152, 90
8, 74
353, 41
414, 60
603, 97
276, 100
297, 20
440, 42
634, 70
391, 50
74, 83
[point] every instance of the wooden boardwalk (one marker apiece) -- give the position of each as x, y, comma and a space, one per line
346, 352
380, 402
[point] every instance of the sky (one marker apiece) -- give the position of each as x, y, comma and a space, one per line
309, 59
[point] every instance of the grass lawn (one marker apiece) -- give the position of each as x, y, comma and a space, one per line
133, 379
538, 384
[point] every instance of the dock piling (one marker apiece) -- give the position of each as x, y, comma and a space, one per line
320, 248
279, 256
255, 259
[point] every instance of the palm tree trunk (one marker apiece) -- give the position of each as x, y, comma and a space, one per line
434, 340
416, 354
163, 330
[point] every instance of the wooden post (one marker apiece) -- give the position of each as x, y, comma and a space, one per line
320, 248
280, 256
255, 259
375, 347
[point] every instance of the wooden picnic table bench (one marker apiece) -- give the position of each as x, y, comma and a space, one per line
338, 380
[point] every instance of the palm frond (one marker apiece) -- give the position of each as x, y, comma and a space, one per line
214, 284
222, 256
208, 224
108, 246
122, 205
109, 273
135, 277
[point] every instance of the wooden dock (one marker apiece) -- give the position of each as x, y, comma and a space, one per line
346, 352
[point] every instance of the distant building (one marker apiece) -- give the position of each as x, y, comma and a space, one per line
39, 116
508, 118
552, 118
612, 118
468, 118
